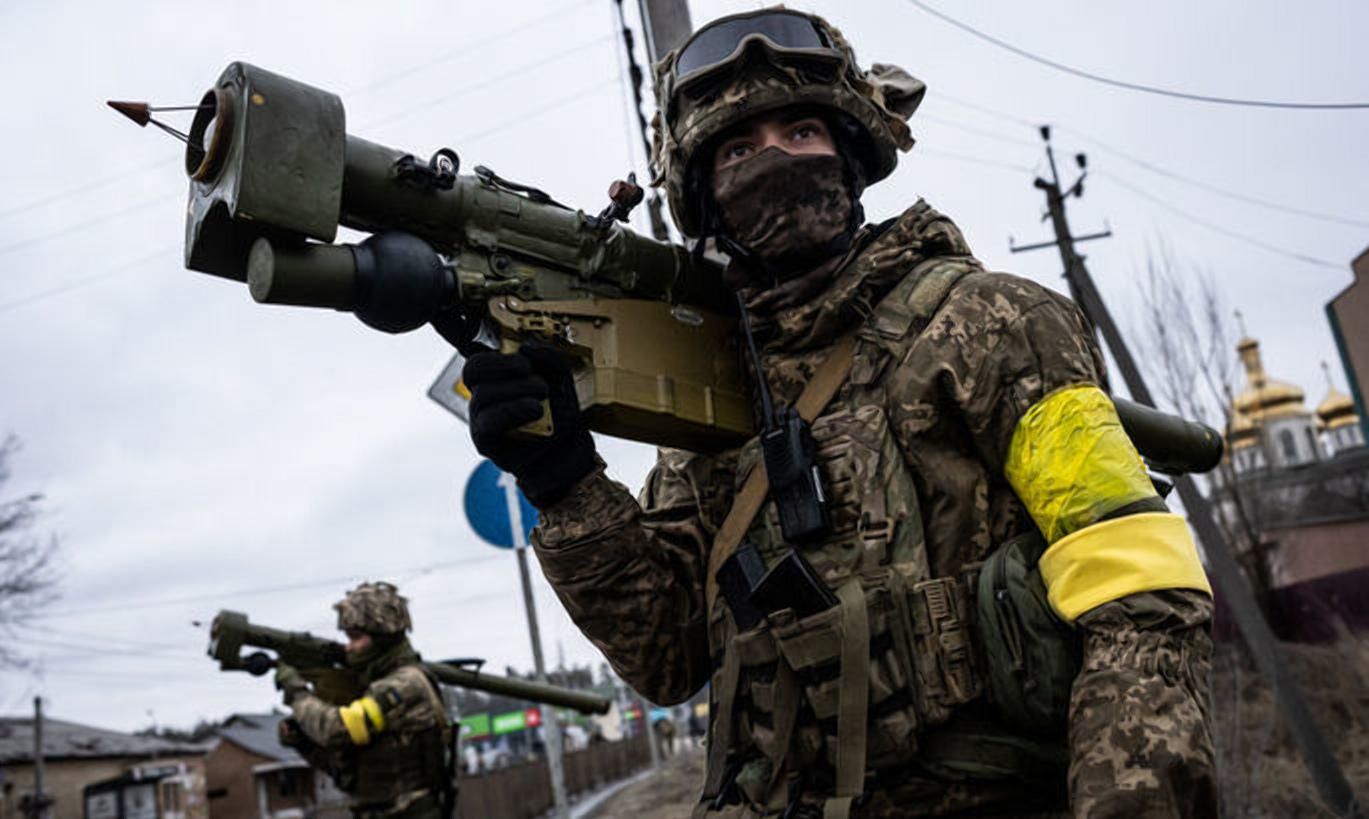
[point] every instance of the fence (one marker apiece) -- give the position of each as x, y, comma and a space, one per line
524, 791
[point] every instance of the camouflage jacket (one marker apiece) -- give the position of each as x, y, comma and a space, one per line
399, 768
632, 574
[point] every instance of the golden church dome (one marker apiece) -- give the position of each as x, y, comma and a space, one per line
1336, 409
1264, 397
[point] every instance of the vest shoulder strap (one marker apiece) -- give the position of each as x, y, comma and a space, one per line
825, 383
909, 307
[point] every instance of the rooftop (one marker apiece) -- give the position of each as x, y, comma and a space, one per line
257, 733
70, 740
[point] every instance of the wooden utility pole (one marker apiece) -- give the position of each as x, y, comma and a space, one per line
1221, 563
37, 807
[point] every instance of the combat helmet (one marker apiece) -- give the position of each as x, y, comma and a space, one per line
374, 608
746, 64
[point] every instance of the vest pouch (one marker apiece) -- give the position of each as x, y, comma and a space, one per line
1032, 657
812, 647
760, 682
939, 643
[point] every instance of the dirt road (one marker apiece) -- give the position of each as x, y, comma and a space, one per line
670, 794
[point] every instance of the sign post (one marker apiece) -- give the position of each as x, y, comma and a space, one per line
503, 517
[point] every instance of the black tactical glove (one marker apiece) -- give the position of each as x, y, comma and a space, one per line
507, 392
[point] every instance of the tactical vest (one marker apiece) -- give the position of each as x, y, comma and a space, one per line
398, 764
901, 643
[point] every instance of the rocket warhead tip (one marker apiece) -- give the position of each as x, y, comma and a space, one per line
139, 112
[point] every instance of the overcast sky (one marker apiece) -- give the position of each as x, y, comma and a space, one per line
198, 451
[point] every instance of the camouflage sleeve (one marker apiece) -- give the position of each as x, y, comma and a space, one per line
320, 722
404, 699
632, 576
1140, 743
1139, 713
1037, 340
407, 700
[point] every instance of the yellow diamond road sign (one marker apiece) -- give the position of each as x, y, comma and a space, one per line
450, 392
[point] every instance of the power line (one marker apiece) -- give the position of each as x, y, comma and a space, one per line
1282, 251
107, 651
1144, 164
984, 132
102, 638
453, 94
471, 137
547, 108
977, 160
98, 220
251, 591
531, 65
983, 109
85, 187
87, 281
1132, 86
1210, 188
469, 47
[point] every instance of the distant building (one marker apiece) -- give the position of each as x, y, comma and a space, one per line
251, 775
145, 792
170, 774
1294, 494
1348, 314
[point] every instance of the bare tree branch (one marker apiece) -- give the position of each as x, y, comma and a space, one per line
28, 562
1190, 356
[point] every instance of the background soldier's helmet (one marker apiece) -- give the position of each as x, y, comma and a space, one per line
375, 608
761, 62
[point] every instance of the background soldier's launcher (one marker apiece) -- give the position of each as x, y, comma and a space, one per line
322, 662
273, 173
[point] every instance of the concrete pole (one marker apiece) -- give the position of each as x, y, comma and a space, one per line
551, 722
667, 25
650, 732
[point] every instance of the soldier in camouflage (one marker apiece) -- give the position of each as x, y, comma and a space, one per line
970, 426
387, 748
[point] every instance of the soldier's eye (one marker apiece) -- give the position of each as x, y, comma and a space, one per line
736, 150
806, 130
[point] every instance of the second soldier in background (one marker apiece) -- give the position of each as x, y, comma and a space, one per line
388, 749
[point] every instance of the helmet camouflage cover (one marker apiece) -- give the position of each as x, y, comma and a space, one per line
374, 608
878, 101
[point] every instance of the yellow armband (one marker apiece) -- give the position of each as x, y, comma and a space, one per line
1071, 462
1110, 560
361, 718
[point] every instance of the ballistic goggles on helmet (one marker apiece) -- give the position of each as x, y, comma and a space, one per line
723, 41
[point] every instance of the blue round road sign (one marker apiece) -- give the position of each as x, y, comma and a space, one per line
488, 506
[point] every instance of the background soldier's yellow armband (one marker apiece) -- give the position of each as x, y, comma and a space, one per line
361, 718
1110, 560
1071, 462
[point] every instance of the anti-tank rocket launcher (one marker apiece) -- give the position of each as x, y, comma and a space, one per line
274, 173
323, 663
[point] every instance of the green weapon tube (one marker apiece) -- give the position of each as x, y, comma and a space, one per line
231, 631
1170, 444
